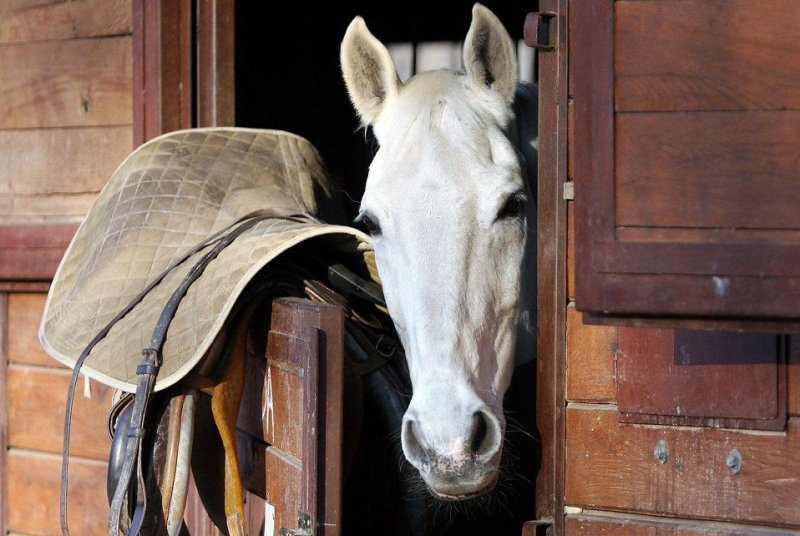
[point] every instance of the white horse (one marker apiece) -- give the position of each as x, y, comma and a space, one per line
448, 204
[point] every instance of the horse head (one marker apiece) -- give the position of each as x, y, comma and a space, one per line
448, 205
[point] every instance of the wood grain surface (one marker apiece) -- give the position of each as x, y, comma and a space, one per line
704, 170
590, 360
33, 486
707, 55
76, 82
611, 466
66, 20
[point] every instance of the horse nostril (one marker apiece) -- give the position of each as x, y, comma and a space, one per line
484, 434
478, 432
412, 447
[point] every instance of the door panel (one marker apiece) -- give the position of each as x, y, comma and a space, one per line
684, 135
290, 422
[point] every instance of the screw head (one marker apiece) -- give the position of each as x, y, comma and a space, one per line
734, 461
661, 451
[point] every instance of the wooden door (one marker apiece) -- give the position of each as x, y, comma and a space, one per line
686, 127
290, 423
644, 430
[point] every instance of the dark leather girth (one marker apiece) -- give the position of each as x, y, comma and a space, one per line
147, 371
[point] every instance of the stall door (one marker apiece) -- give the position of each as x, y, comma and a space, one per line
290, 423
686, 127
655, 430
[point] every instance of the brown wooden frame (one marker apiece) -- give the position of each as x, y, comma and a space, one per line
551, 270
3, 412
33, 252
305, 342
162, 68
183, 77
183, 66
618, 276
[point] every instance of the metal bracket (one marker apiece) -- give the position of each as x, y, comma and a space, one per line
305, 527
539, 32
536, 527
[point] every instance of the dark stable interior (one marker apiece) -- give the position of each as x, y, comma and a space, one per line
288, 78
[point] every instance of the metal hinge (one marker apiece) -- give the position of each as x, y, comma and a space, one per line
537, 527
540, 32
305, 527
569, 191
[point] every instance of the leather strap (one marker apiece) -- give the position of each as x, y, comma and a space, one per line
151, 363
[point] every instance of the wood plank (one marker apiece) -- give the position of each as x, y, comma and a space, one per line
42, 209
656, 299
215, 63
3, 411
550, 279
793, 376
272, 407
611, 466
702, 170
256, 514
284, 484
36, 413
723, 379
570, 139
24, 286
67, 20
591, 523
24, 314
571, 250
727, 55
67, 83
33, 490
162, 68
590, 360
33, 252
272, 475
62, 161
9, 6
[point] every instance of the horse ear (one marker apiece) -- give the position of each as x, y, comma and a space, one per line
368, 70
489, 57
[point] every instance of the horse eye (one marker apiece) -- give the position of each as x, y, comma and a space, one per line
370, 223
513, 207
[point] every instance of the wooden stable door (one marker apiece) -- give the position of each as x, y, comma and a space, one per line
655, 203
686, 124
290, 422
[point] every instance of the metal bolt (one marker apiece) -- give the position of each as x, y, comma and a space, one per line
734, 461
661, 451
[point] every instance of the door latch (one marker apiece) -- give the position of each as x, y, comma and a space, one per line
540, 30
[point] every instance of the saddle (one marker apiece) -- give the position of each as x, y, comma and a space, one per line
154, 289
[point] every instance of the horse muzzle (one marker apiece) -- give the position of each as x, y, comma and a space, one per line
451, 481
455, 466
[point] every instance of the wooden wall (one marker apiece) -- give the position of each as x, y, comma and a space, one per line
65, 105
65, 124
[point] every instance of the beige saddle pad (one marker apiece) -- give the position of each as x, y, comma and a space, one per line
168, 195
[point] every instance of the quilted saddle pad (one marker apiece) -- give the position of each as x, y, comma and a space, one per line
167, 196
